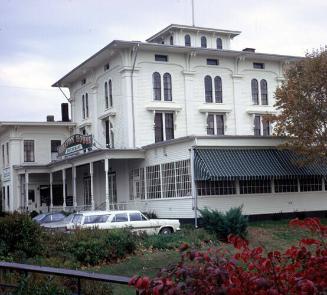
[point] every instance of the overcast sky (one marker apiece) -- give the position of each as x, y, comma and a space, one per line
41, 40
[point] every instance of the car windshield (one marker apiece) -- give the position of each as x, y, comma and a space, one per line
39, 217
69, 218
77, 219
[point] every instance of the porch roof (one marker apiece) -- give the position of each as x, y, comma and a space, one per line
82, 159
242, 164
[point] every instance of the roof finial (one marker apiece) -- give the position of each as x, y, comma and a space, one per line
193, 13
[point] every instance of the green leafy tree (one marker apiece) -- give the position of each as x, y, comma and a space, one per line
302, 104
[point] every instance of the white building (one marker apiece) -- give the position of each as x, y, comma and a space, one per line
152, 112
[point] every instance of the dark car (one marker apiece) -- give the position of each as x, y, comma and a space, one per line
49, 217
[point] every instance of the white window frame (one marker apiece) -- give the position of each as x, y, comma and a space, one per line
261, 125
215, 122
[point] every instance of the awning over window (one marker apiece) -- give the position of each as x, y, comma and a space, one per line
243, 164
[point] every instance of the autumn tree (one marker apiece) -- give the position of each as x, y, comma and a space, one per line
301, 101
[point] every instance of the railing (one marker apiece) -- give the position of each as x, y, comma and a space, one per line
76, 274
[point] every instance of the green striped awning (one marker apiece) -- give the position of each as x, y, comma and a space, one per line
231, 164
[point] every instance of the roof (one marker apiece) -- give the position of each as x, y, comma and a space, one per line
27, 123
231, 33
243, 164
102, 56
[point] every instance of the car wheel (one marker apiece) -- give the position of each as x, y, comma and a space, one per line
166, 231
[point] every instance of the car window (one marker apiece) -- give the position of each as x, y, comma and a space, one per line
143, 217
57, 217
48, 218
102, 218
135, 216
120, 217
39, 217
77, 219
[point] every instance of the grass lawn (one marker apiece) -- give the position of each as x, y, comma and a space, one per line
268, 234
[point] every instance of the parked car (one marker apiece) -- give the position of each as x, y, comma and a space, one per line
133, 220
59, 225
49, 217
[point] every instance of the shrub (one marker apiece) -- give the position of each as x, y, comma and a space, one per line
20, 236
93, 246
302, 269
224, 224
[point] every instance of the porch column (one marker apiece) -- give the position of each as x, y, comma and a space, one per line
64, 189
92, 186
51, 192
26, 190
74, 187
106, 170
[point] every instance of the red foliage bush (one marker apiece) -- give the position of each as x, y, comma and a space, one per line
301, 269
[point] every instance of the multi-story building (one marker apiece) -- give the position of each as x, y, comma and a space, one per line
169, 125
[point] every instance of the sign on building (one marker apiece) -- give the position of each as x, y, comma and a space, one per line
75, 144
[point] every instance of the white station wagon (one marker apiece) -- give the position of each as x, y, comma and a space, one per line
134, 220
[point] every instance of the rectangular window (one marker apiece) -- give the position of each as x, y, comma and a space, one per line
265, 128
153, 182
255, 186
54, 149
158, 127
29, 151
86, 105
220, 124
168, 180
286, 185
7, 148
161, 57
169, 125
210, 188
183, 178
107, 133
310, 183
83, 81
212, 62
215, 124
211, 124
257, 125
137, 184
8, 196
106, 67
3, 155
258, 65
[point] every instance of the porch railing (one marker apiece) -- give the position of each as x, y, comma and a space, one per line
25, 269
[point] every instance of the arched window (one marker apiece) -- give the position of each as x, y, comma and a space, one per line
264, 92
255, 91
218, 90
171, 40
83, 106
86, 105
106, 96
187, 40
208, 88
167, 87
219, 43
203, 42
110, 94
156, 81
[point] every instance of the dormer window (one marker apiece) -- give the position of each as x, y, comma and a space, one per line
219, 43
187, 40
203, 42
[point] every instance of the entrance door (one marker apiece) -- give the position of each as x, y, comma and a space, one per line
87, 191
112, 188
32, 204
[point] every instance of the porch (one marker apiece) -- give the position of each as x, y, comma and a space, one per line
93, 181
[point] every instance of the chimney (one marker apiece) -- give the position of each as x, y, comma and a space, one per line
64, 112
50, 118
247, 49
